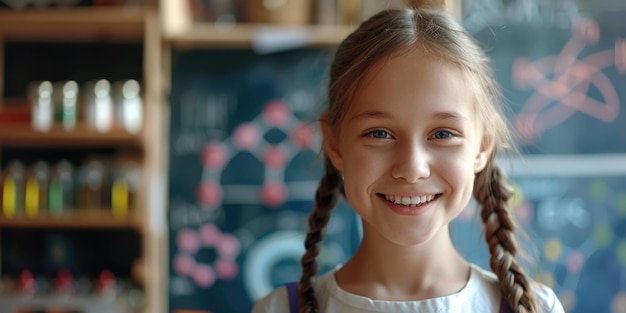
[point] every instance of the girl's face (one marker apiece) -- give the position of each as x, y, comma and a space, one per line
409, 147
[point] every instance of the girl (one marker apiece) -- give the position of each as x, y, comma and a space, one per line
411, 133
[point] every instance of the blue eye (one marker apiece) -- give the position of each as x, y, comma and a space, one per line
379, 134
442, 134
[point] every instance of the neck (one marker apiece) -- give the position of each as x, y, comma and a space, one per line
386, 271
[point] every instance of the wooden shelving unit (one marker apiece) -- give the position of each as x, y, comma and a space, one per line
85, 24
156, 32
181, 31
98, 25
25, 136
209, 35
92, 218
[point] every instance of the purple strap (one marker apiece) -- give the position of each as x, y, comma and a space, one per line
292, 293
504, 308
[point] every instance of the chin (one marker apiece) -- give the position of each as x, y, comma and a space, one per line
411, 239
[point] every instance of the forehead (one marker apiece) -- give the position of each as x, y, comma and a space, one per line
415, 82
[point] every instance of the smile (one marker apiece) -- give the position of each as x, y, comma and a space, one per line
409, 201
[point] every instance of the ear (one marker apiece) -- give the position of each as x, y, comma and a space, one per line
330, 143
486, 148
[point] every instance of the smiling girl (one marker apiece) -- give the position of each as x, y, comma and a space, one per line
410, 135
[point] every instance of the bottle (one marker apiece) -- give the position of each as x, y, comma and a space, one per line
27, 283
91, 185
106, 285
125, 187
99, 106
64, 283
129, 106
40, 95
13, 190
36, 190
66, 103
61, 188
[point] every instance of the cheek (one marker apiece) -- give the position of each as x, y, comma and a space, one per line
359, 167
465, 183
361, 170
458, 169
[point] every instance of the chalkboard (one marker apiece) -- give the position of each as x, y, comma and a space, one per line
244, 166
563, 77
564, 86
577, 230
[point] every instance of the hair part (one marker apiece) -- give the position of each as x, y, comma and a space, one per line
394, 32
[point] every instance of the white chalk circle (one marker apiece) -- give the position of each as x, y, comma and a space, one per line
264, 254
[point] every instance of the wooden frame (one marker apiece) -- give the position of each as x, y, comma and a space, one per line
182, 32
106, 24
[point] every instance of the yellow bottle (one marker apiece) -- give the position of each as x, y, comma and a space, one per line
12, 190
119, 198
36, 191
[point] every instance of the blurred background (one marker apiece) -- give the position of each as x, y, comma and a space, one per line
161, 156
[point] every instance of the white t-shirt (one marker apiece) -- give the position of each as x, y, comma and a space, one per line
480, 294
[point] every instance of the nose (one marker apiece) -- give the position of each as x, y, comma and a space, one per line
411, 163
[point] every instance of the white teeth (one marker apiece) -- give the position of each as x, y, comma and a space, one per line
409, 200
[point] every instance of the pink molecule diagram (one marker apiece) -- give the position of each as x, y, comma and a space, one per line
248, 137
190, 242
562, 82
275, 157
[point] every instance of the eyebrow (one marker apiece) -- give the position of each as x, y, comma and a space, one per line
449, 115
371, 114
383, 115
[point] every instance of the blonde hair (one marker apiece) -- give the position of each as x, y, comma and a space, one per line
394, 32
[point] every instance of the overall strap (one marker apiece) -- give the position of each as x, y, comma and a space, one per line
292, 294
504, 308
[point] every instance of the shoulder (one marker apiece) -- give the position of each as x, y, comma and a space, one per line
547, 299
485, 280
277, 301
483, 290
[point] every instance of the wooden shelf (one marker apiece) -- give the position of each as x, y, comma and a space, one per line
127, 23
44, 303
209, 35
81, 219
25, 135
139, 25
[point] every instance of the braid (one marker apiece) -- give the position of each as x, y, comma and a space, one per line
492, 192
326, 198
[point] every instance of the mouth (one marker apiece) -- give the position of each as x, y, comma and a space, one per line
411, 202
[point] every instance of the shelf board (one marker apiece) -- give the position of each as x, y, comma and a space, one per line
82, 219
210, 35
73, 303
26, 136
74, 24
